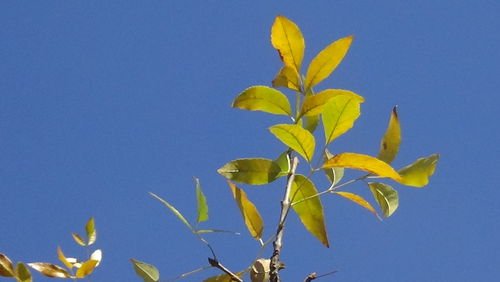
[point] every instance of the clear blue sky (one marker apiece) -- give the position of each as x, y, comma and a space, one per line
103, 101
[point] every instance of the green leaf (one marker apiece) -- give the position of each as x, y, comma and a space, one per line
200, 231
91, 232
358, 200
295, 137
6, 266
146, 271
86, 269
201, 200
288, 40
311, 123
23, 274
49, 270
251, 171
265, 99
326, 61
250, 214
313, 104
283, 161
339, 115
78, 239
175, 211
418, 173
309, 211
363, 162
389, 146
386, 197
287, 77
334, 174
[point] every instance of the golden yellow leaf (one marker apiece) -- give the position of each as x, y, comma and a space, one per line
418, 173
250, 214
63, 259
389, 146
263, 98
313, 104
295, 137
326, 61
363, 162
358, 200
287, 77
86, 269
288, 40
50, 270
6, 266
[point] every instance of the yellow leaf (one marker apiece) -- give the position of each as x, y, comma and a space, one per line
309, 211
287, 77
326, 61
263, 98
6, 266
288, 40
389, 146
358, 200
50, 270
223, 277
418, 173
96, 255
91, 232
363, 162
339, 115
295, 137
86, 269
78, 239
63, 259
386, 197
250, 214
313, 104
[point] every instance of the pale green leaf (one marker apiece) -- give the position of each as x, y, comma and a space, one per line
78, 239
358, 200
339, 115
363, 162
295, 137
309, 211
418, 173
250, 214
175, 211
386, 197
326, 61
201, 201
288, 40
146, 271
91, 232
63, 258
287, 77
50, 270
265, 99
251, 171
200, 231
334, 174
313, 104
23, 274
389, 146
86, 269
6, 266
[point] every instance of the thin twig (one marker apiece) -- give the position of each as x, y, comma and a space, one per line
276, 265
215, 263
314, 276
187, 273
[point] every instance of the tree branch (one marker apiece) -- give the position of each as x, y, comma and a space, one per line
276, 265
215, 263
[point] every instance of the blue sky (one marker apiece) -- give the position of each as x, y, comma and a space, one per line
102, 102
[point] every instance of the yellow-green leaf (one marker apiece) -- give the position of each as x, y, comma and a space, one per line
309, 211
265, 99
6, 266
250, 214
363, 162
251, 171
146, 271
97, 256
386, 197
311, 123
358, 200
78, 239
326, 61
287, 77
339, 115
50, 270
333, 174
313, 104
86, 269
418, 173
389, 146
175, 211
223, 277
283, 161
63, 259
201, 200
23, 274
91, 232
288, 40
295, 137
